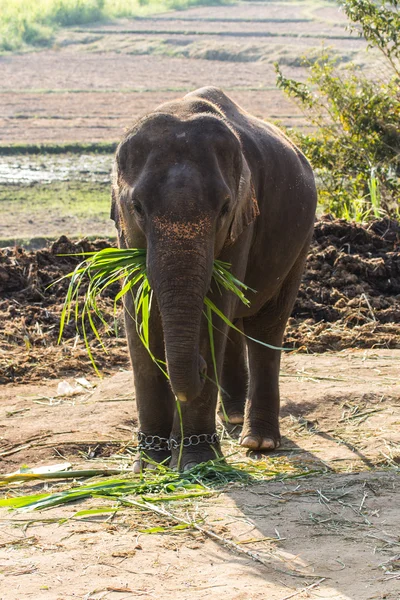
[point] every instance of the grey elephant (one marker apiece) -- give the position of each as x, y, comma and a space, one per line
196, 179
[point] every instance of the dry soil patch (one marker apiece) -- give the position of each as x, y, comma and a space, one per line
335, 533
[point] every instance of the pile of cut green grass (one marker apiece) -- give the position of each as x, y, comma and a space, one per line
151, 486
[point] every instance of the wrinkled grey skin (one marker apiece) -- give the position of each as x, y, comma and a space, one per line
197, 179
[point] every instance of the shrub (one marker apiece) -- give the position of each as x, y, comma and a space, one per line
355, 145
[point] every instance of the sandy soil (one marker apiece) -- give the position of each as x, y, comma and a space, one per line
339, 533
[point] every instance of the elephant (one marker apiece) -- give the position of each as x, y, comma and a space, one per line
196, 179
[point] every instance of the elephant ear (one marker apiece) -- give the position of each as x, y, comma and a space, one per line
114, 193
247, 207
114, 210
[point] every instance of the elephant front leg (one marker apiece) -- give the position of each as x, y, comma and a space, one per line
195, 420
195, 424
155, 416
154, 399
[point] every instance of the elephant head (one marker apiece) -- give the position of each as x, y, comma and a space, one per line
182, 189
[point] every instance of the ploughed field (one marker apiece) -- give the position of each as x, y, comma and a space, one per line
96, 79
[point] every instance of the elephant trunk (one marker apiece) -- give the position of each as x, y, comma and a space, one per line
180, 278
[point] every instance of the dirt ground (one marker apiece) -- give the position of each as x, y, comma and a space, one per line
335, 532
331, 533
96, 80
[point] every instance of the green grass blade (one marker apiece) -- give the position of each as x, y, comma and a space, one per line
220, 314
179, 411
214, 359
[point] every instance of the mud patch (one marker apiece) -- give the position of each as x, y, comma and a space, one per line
349, 298
350, 294
30, 315
46, 169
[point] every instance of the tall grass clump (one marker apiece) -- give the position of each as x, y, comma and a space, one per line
355, 143
35, 23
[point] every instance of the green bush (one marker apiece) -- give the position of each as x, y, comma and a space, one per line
355, 144
34, 23
76, 12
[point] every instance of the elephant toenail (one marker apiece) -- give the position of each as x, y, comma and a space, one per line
235, 419
250, 442
267, 444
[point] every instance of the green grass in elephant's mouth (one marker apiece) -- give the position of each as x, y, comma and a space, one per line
99, 270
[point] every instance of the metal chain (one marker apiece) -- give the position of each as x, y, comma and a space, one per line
157, 443
194, 440
152, 442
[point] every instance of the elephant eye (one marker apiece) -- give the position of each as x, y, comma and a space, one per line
225, 209
138, 208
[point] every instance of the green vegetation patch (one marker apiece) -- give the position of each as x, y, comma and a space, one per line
354, 145
35, 23
76, 198
154, 486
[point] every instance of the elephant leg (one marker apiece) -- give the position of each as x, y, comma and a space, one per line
235, 377
261, 423
154, 401
197, 420
154, 398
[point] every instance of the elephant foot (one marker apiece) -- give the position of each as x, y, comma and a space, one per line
234, 411
261, 442
194, 455
150, 460
234, 418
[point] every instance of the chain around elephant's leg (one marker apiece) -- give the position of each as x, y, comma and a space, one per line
194, 439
